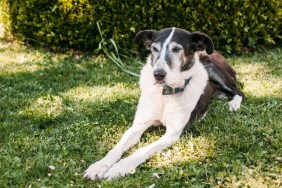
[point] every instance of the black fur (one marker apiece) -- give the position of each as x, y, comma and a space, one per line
222, 80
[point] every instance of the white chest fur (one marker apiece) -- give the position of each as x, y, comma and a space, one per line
167, 108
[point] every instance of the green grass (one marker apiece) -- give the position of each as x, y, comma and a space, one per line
67, 111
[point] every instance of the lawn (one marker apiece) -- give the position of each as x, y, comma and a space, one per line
68, 110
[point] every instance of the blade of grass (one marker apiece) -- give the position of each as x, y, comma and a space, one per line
114, 55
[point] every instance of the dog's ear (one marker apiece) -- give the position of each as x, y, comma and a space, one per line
145, 37
201, 42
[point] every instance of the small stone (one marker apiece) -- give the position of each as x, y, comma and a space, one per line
51, 167
156, 175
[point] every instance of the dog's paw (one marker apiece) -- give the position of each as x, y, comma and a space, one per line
122, 168
96, 170
235, 103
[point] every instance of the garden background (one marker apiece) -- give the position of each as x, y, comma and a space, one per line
64, 103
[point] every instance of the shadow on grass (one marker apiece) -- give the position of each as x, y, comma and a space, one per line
20, 90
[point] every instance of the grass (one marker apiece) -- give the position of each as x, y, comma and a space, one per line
67, 111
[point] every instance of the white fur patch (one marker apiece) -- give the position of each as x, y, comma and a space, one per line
167, 40
235, 103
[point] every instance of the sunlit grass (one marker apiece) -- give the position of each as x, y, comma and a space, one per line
183, 151
15, 59
49, 105
260, 76
100, 93
67, 111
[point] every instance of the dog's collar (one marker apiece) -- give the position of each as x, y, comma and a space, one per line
167, 90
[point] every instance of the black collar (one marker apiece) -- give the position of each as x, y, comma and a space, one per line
167, 90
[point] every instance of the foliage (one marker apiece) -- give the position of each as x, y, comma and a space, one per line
66, 111
233, 25
114, 55
5, 21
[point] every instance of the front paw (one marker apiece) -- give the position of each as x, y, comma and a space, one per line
97, 170
120, 169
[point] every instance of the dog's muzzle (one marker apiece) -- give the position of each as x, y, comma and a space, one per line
159, 74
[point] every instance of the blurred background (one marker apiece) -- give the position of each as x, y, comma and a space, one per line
235, 26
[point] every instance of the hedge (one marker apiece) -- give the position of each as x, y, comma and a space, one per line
232, 24
5, 21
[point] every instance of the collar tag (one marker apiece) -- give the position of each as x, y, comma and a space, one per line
167, 90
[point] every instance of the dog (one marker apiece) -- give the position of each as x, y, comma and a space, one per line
182, 74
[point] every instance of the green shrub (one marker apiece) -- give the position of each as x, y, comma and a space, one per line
232, 24
5, 21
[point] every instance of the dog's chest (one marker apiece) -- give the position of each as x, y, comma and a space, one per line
176, 107
168, 108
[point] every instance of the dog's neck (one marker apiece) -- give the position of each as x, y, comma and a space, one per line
167, 90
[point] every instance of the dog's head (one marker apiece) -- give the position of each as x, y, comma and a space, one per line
172, 52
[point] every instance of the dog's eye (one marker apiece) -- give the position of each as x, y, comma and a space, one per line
176, 49
154, 49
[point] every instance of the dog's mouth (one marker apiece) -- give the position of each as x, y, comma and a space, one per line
159, 82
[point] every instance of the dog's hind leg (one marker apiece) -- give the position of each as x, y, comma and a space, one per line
143, 120
224, 79
235, 103
229, 88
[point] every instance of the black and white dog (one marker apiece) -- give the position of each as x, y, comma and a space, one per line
182, 74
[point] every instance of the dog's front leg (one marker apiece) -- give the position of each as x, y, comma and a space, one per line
143, 119
128, 165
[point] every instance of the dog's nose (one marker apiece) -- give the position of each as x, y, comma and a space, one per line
159, 74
